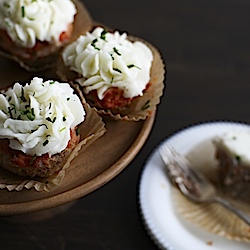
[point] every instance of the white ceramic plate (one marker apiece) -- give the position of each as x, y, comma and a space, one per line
161, 220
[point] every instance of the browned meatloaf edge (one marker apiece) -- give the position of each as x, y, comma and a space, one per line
24, 165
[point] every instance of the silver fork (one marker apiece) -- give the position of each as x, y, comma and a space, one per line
193, 184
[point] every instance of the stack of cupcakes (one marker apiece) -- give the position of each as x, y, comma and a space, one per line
112, 75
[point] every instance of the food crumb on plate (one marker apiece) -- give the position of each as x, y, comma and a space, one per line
210, 243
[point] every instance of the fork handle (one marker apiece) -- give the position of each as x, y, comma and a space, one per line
227, 204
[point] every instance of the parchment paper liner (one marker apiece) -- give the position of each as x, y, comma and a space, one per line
211, 217
141, 107
90, 130
82, 23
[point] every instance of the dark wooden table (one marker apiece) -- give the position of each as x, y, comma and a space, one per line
206, 48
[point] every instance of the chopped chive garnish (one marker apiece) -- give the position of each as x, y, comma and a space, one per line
94, 44
133, 66
103, 35
62, 129
23, 11
237, 157
31, 115
117, 70
6, 5
9, 109
50, 120
116, 51
22, 96
146, 105
32, 159
78, 131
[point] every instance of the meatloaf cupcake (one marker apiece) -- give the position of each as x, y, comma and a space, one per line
120, 76
33, 32
233, 155
39, 128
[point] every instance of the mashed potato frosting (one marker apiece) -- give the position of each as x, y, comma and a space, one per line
105, 60
37, 117
26, 21
237, 144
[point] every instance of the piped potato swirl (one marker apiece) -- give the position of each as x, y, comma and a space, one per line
37, 118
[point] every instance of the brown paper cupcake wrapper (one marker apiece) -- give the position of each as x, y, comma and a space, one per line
82, 24
90, 130
141, 107
211, 217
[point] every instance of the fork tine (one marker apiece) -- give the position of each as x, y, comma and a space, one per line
178, 169
166, 154
171, 157
170, 154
